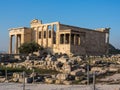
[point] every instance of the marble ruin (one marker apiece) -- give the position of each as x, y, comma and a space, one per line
61, 38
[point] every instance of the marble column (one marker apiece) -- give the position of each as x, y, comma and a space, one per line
10, 45
19, 41
70, 38
107, 42
16, 44
74, 39
79, 40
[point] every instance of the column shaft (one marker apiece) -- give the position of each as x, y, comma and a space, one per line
16, 44
70, 38
19, 41
79, 40
74, 39
10, 45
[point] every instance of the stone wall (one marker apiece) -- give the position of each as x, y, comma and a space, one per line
92, 42
95, 43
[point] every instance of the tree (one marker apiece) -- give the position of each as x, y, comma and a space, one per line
29, 47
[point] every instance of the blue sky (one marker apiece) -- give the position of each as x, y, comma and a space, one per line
83, 13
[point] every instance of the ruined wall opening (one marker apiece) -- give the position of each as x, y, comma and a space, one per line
39, 34
49, 33
55, 27
77, 40
49, 27
44, 34
72, 38
54, 37
67, 39
61, 38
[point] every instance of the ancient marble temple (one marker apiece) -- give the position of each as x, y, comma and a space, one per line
61, 38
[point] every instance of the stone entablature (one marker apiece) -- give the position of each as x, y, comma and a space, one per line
61, 38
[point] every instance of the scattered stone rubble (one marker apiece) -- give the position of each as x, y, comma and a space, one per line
70, 68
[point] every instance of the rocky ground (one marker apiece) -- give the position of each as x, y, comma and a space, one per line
70, 70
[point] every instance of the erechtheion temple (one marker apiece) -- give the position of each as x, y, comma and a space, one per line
61, 38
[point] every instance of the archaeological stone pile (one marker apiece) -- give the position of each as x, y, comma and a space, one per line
71, 69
